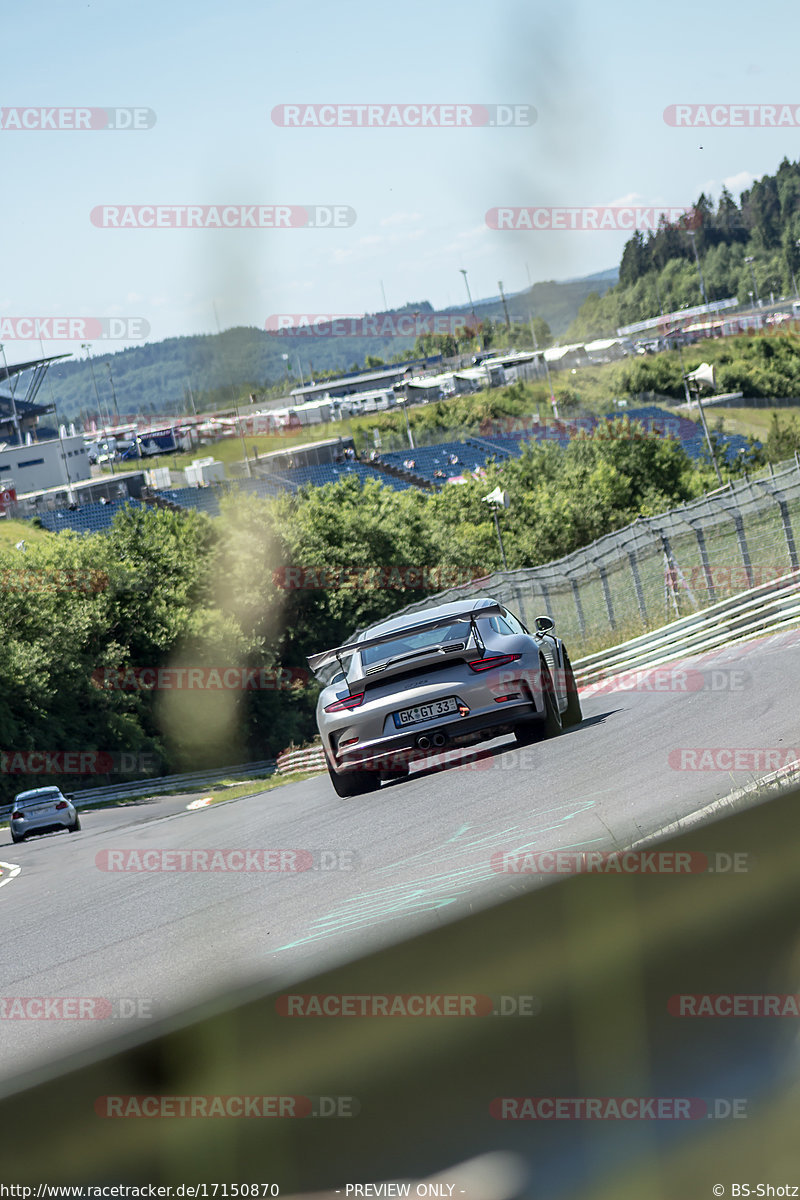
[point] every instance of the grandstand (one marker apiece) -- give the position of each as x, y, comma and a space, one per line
318, 475
433, 463
86, 518
433, 466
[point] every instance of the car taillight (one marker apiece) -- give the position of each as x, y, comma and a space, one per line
345, 703
494, 660
17, 816
61, 804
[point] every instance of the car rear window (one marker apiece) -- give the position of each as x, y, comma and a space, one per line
457, 632
37, 797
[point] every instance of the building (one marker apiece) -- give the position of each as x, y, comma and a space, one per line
37, 466
362, 381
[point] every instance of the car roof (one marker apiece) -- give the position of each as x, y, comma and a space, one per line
456, 608
42, 791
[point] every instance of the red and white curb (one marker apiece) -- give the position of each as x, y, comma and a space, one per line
8, 871
204, 803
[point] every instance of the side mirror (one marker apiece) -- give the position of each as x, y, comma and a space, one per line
68, 796
544, 625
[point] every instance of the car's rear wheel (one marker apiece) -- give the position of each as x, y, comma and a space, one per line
353, 783
572, 714
548, 726
74, 828
17, 837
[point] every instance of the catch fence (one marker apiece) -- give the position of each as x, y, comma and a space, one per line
658, 568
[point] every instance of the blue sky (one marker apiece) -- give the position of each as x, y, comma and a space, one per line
599, 77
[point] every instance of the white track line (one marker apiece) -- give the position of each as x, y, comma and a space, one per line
13, 871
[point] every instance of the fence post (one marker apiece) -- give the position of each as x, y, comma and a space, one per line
545, 598
703, 548
637, 585
748, 568
576, 593
601, 571
788, 532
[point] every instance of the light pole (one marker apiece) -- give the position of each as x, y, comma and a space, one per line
706, 374
505, 306
113, 392
691, 234
403, 402
85, 346
553, 403
469, 297
750, 260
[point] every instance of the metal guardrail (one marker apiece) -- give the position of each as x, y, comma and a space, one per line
769, 608
310, 759
163, 783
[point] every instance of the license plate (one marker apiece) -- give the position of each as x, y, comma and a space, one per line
425, 712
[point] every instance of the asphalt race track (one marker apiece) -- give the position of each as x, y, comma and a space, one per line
372, 869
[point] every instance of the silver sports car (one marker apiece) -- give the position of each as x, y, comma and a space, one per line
449, 676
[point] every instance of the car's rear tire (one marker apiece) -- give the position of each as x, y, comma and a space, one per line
550, 725
572, 714
17, 837
353, 783
76, 827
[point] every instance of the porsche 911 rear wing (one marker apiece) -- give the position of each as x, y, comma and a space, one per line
318, 661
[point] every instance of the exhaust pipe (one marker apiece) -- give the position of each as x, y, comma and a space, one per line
439, 739
424, 742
